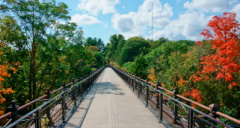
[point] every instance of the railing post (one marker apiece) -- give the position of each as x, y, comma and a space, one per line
38, 119
133, 85
190, 118
81, 88
161, 106
74, 94
63, 103
147, 91
79, 91
130, 83
175, 105
157, 85
48, 93
13, 108
213, 109
91, 80
138, 88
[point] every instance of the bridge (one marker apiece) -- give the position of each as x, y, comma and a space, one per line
109, 98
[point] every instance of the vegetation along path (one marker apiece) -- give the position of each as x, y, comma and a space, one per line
111, 104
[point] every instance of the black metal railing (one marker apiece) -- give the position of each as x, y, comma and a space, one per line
54, 111
172, 111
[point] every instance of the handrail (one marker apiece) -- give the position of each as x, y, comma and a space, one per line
182, 97
9, 114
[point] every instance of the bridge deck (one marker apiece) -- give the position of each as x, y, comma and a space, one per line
109, 104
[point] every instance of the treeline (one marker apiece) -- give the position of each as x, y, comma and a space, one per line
40, 49
205, 71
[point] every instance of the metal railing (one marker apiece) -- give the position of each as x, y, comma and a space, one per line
54, 111
174, 110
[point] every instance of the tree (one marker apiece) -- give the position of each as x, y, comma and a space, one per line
4, 72
159, 42
95, 42
225, 39
37, 19
114, 48
139, 67
217, 77
134, 46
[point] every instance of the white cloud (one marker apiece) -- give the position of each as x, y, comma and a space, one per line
209, 5
96, 6
188, 26
136, 23
236, 9
84, 19
127, 25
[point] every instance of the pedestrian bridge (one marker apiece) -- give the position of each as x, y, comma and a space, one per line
111, 104
111, 98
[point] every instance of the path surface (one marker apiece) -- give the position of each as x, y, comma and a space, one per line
111, 104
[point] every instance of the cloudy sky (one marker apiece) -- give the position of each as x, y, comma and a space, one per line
173, 19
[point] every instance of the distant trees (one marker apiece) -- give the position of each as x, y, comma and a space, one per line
114, 48
133, 47
96, 46
94, 42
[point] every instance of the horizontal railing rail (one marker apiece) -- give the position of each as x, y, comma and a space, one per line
173, 110
54, 111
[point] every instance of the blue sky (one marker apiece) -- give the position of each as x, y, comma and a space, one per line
173, 19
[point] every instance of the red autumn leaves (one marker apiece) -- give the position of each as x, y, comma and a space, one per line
225, 39
224, 64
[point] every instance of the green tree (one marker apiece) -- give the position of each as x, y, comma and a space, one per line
133, 47
95, 42
139, 67
37, 20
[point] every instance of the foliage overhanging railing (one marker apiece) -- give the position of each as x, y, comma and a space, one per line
54, 111
174, 110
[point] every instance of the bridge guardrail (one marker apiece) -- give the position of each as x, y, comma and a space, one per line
54, 111
171, 110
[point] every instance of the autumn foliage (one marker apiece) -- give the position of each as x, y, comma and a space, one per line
3, 74
224, 36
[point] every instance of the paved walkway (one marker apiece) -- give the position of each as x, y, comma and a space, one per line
111, 104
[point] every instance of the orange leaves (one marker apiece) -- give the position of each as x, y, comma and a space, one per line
233, 84
195, 93
6, 91
219, 76
225, 40
198, 43
206, 33
1, 113
4, 73
181, 82
151, 75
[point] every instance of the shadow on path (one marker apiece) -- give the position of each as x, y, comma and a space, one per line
104, 87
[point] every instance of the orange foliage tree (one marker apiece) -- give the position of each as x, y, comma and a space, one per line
225, 40
4, 67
